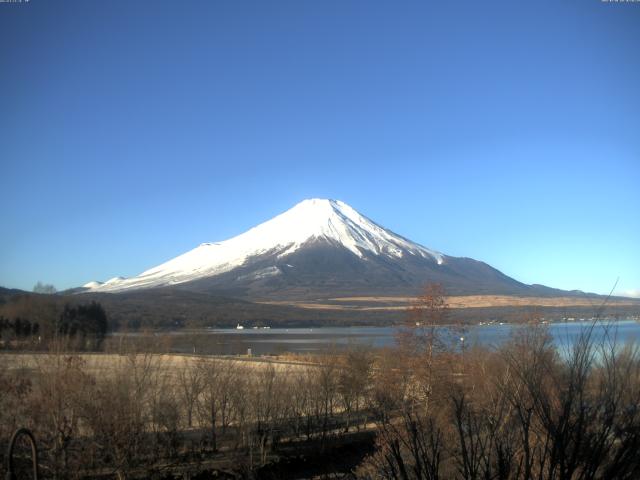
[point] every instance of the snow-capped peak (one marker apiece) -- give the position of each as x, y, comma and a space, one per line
310, 220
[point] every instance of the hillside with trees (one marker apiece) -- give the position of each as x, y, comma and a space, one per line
33, 321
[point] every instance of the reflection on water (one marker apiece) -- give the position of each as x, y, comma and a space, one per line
279, 340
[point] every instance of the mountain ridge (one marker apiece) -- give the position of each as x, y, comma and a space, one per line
319, 248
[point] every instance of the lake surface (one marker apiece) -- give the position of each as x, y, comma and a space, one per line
312, 340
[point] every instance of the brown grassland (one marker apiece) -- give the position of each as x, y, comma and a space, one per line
463, 301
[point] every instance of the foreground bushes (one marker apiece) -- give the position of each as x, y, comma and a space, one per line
129, 415
525, 411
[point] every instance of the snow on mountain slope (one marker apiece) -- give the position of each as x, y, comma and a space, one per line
314, 219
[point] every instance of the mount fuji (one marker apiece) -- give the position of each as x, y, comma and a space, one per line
318, 249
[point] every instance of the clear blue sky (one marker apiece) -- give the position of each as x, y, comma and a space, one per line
131, 131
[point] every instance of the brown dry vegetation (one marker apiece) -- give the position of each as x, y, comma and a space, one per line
465, 301
522, 412
526, 411
133, 414
519, 413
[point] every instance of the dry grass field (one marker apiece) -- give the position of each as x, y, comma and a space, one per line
467, 301
108, 362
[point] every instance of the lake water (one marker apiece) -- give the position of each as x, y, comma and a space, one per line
308, 340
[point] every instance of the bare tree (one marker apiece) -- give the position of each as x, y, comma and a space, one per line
190, 381
118, 412
269, 408
215, 401
423, 337
55, 403
354, 378
45, 288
